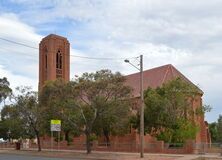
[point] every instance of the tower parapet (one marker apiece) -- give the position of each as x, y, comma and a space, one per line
54, 59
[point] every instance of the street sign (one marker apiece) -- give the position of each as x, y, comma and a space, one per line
55, 125
56, 122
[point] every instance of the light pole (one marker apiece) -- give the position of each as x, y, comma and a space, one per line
142, 104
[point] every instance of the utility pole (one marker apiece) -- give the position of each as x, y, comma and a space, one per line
141, 109
142, 104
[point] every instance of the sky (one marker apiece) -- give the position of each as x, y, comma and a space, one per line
186, 34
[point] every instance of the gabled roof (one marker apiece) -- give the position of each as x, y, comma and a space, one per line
154, 78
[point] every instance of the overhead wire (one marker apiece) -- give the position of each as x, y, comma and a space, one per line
18, 43
30, 56
71, 55
14, 51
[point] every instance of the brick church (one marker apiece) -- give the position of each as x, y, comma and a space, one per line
54, 62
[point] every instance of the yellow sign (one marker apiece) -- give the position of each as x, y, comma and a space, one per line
56, 122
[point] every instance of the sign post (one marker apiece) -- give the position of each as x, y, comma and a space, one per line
51, 140
55, 126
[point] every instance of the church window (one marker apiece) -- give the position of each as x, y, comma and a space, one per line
59, 60
46, 61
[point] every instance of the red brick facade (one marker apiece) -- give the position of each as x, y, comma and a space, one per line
54, 59
158, 76
54, 62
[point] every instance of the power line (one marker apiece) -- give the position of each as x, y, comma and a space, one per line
84, 57
99, 58
13, 51
18, 43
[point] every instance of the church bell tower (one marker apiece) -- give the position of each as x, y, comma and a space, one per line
54, 59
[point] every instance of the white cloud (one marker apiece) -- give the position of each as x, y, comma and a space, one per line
16, 58
18, 63
17, 80
12, 27
186, 34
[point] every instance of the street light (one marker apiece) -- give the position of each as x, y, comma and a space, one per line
142, 104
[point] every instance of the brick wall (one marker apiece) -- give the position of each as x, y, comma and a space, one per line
127, 143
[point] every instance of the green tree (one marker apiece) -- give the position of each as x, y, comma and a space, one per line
5, 90
213, 129
178, 133
11, 125
168, 111
113, 121
155, 114
88, 100
55, 100
219, 129
28, 111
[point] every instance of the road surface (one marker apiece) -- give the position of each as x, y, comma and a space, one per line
28, 157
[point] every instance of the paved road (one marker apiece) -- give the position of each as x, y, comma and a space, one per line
25, 157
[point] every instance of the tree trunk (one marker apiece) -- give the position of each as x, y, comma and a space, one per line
67, 137
88, 145
38, 141
106, 134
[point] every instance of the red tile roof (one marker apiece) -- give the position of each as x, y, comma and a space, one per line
154, 77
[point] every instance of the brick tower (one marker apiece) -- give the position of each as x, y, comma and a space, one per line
54, 60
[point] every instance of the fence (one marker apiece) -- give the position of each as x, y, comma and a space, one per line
160, 147
206, 148
7, 145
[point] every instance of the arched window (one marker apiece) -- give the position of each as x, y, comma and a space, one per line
46, 61
45, 54
59, 60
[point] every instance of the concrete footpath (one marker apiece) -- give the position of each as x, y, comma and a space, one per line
98, 155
